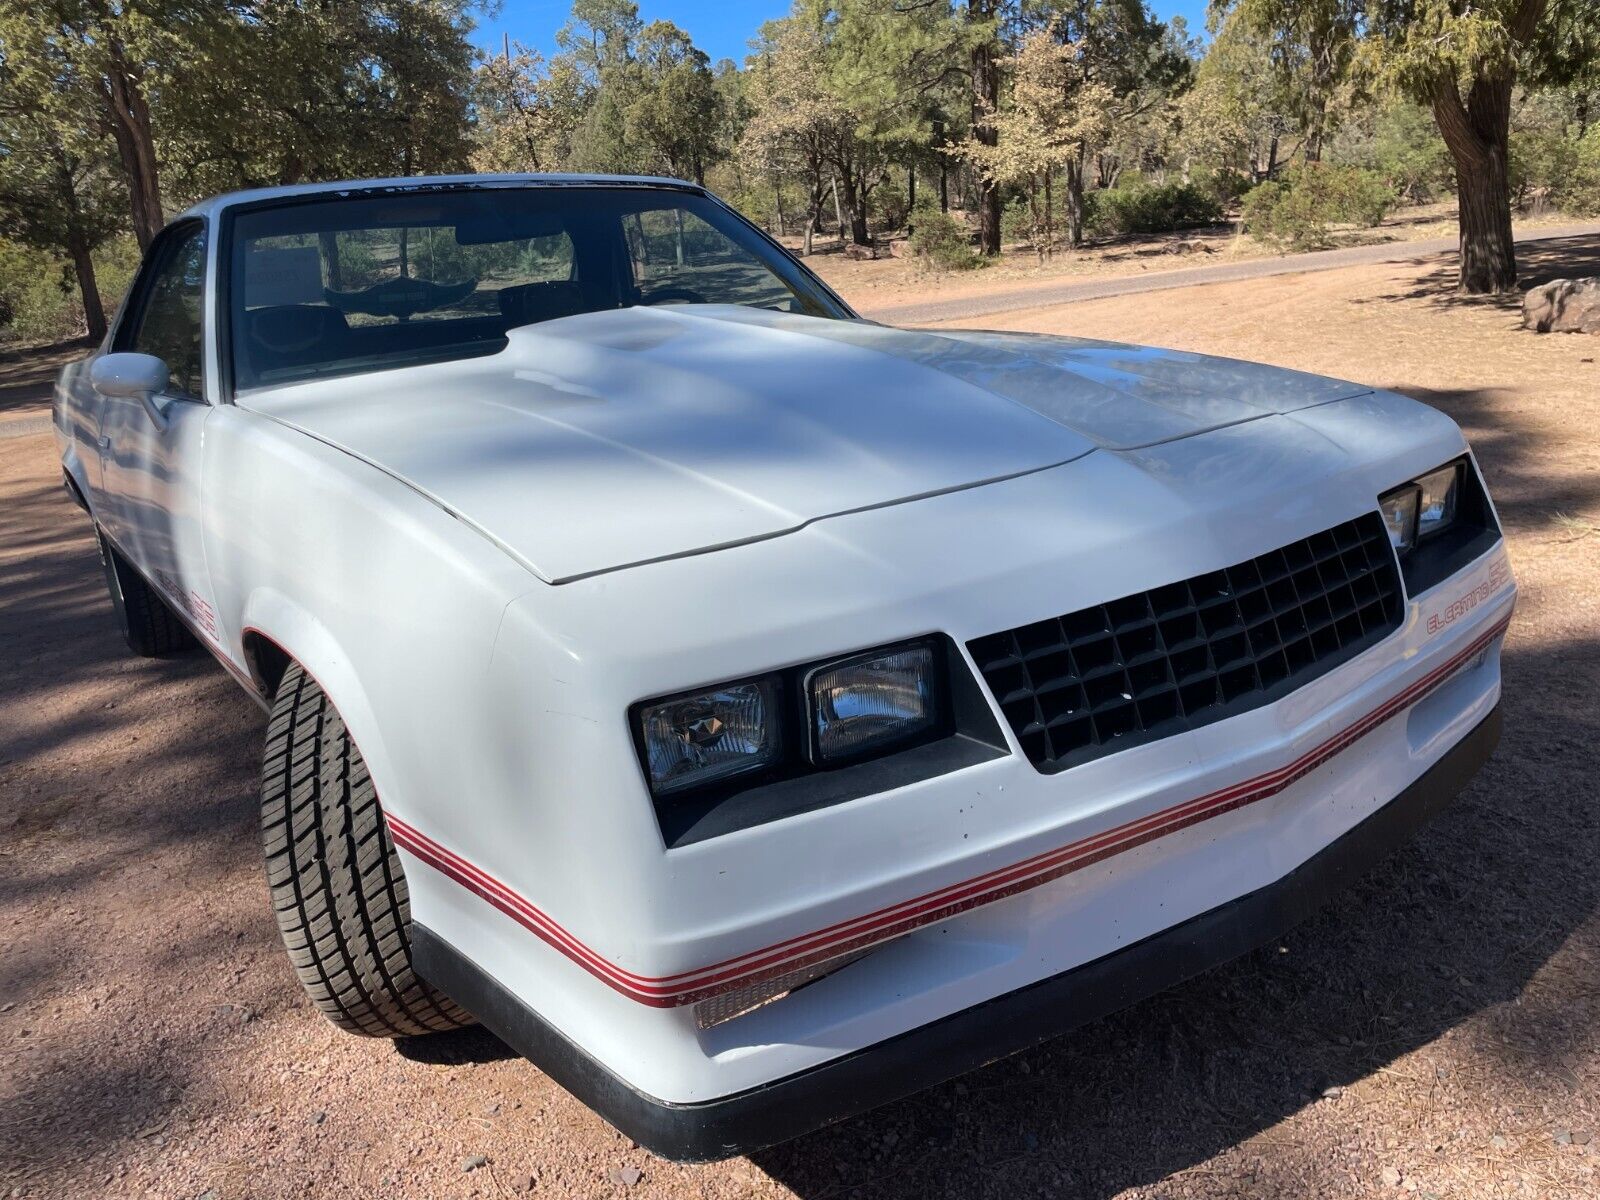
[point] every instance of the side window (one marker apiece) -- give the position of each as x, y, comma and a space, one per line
676, 255
168, 322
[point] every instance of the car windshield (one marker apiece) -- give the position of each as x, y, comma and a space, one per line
366, 283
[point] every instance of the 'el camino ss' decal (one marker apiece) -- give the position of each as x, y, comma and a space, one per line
687, 987
1499, 576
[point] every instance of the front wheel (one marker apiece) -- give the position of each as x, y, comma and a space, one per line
337, 887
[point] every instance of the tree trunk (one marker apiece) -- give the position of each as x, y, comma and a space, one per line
847, 186
94, 312
1049, 220
838, 208
1036, 217
129, 118
1477, 133
813, 215
1075, 200
1488, 251
1316, 126
944, 185
985, 76
777, 206
329, 242
911, 187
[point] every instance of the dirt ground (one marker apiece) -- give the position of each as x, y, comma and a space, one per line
1432, 1034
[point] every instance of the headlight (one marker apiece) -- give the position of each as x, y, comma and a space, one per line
871, 702
710, 736
1436, 509
1399, 509
804, 737
1423, 507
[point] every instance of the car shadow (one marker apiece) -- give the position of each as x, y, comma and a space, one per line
454, 1049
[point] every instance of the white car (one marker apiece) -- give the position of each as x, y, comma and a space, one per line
763, 713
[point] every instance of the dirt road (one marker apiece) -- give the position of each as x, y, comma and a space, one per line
968, 308
1435, 1033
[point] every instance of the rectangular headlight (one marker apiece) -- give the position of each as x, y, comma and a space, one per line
710, 736
1436, 510
873, 701
1425, 506
1399, 509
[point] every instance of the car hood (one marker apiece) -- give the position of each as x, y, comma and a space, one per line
615, 438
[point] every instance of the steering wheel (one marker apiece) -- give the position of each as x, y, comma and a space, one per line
674, 295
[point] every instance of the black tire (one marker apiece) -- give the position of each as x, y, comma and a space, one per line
149, 626
337, 887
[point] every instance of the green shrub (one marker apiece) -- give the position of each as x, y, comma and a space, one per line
39, 300
1016, 222
1540, 159
886, 209
1578, 190
1409, 153
1299, 210
1151, 208
1260, 210
941, 242
1223, 185
1400, 143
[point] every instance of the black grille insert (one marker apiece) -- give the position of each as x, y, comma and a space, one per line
1150, 665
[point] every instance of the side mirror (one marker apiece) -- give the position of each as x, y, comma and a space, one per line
130, 376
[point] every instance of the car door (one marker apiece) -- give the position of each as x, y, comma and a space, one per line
149, 468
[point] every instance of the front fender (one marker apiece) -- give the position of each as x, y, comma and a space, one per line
270, 615
388, 601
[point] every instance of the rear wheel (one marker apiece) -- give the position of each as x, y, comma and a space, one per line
337, 887
149, 626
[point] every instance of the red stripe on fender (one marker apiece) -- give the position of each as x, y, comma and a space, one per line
687, 987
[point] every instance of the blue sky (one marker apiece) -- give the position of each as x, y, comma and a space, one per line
719, 27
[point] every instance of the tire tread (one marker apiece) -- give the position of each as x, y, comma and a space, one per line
338, 890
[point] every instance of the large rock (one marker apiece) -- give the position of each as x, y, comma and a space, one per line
1563, 306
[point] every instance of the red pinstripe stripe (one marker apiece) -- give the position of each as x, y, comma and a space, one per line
669, 991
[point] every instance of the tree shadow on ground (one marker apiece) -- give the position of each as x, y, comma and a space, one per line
1537, 263
27, 376
1527, 494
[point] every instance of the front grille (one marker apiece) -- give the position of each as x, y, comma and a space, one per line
1156, 663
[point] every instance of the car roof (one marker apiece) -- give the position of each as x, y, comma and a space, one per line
348, 187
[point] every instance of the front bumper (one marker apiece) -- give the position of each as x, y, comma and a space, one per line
897, 1067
